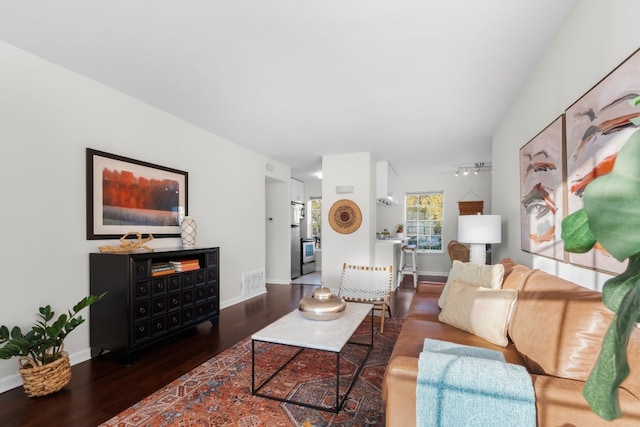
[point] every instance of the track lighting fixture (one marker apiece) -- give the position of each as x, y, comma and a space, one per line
476, 168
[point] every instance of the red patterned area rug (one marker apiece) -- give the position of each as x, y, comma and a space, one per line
218, 392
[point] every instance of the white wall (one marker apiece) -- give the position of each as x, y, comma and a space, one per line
278, 231
358, 170
48, 116
597, 37
455, 189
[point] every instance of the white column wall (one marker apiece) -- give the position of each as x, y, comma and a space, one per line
357, 170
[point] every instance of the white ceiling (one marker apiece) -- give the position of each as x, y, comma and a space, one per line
421, 83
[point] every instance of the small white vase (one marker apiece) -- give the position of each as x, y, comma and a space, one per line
400, 236
188, 232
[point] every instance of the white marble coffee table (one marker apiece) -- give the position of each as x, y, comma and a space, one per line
331, 335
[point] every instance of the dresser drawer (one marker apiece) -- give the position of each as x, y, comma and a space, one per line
141, 331
187, 297
174, 320
141, 310
141, 289
141, 268
187, 315
173, 283
159, 305
174, 301
159, 286
158, 325
187, 280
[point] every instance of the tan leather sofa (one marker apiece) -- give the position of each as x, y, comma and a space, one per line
555, 331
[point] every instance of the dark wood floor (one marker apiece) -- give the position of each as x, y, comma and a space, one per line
101, 388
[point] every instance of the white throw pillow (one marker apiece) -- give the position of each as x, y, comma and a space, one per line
481, 311
487, 276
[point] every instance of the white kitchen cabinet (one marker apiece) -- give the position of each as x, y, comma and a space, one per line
297, 191
386, 178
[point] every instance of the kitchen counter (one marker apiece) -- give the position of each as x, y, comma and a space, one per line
387, 252
389, 241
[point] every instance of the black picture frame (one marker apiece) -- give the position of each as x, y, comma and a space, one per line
127, 195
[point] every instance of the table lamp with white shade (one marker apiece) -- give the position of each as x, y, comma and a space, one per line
478, 231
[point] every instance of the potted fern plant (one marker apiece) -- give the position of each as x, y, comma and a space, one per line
611, 217
44, 365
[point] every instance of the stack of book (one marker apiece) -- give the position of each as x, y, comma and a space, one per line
186, 265
162, 268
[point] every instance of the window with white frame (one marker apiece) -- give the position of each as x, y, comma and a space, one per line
316, 220
423, 218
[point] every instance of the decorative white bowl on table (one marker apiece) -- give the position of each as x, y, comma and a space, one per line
322, 305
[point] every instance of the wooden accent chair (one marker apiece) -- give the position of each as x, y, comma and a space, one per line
368, 285
458, 251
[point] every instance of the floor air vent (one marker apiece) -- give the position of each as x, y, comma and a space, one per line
253, 282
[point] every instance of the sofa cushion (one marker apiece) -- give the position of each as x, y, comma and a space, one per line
558, 326
487, 276
424, 304
559, 402
480, 311
517, 276
411, 339
508, 264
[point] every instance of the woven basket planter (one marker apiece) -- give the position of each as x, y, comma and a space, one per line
45, 379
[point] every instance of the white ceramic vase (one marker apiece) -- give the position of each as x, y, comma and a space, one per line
188, 232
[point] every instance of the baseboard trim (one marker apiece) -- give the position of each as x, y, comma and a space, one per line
278, 282
237, 300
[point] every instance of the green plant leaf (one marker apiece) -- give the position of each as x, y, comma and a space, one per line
15, 347
616, 288
57, 327
601, 388
16, 332
576, 233
46, 313
73, 323
612, 203
87, 301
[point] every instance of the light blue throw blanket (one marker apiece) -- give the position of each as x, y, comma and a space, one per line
461, 386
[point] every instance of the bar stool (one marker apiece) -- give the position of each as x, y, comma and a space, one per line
412, 269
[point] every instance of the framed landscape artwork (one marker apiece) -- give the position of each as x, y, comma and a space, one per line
542, 201
598, 125
126, 195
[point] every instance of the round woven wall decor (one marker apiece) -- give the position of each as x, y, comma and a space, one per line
345, 216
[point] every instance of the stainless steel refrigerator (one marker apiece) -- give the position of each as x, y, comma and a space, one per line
296, 254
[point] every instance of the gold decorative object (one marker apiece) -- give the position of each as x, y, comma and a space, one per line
129, 245
322, 305
345, 216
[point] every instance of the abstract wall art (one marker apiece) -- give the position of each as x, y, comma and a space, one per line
598, 125
542, 201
